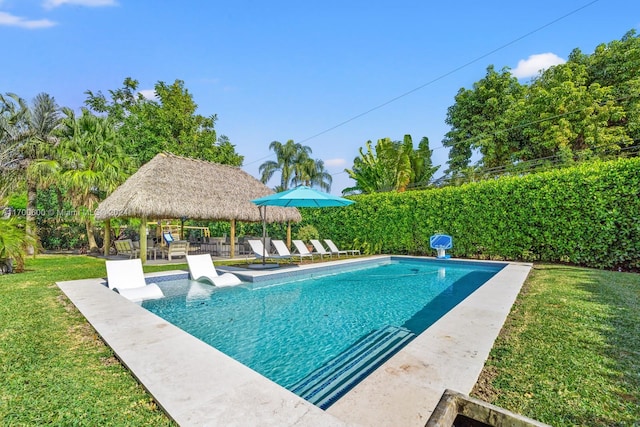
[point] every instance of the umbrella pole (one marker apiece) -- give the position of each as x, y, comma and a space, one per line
264, 234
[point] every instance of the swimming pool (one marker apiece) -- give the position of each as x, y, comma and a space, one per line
319, 334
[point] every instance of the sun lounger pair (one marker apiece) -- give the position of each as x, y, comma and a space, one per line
259, 250
333, 249
127, 278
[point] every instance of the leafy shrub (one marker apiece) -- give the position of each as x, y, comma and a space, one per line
307, 232
587, 215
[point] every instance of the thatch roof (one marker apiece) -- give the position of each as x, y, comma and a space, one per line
170, 187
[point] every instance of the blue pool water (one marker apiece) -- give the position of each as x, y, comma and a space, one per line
287, 330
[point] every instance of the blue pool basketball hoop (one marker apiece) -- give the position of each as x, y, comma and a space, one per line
441, 242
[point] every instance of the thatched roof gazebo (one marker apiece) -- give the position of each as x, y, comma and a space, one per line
171, 187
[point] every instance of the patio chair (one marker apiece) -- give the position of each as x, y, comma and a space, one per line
319, 249
302, 249
176, 248
125, 247
257, 248
334, 249
127, 278
201, 268
283, 251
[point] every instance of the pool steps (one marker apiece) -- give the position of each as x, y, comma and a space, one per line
328, 383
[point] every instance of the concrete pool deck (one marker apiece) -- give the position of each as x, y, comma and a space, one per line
198, 385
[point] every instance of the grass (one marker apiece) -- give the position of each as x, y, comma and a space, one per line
568, 355
55, 370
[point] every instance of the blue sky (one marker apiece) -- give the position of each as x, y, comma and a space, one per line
329, 74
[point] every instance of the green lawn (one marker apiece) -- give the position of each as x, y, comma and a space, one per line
568, 355
54, 368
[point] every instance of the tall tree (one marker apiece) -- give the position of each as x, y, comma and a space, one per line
567, 120
288, 156
88, 162
167, 123
312, 173
477, 121
587, 107
13, 110
29, 136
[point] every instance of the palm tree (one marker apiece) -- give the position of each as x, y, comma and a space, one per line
35, 136
287, 157
12, 113
88, 162
312, 173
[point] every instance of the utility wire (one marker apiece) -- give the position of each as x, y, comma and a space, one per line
523, 125
442, 76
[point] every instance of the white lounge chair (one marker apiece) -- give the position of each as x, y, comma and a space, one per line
334, 249
127, 278
302, 249
201, 268
319, 248
283, 251
258, 250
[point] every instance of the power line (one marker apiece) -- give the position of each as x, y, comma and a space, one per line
525, 167
442, 76
523, 125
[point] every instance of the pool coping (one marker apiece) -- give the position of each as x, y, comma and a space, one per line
198, 385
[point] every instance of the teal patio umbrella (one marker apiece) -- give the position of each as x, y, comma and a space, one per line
299, 197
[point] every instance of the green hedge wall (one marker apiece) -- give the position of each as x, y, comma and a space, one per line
587, 215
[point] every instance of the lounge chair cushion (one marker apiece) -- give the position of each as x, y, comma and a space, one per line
150, 291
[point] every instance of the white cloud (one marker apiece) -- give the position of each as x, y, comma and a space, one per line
6, 19
50, 4
149, 94
335, 163
535, 63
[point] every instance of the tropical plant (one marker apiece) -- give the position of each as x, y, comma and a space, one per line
32, 135
307, 232
312, 173
392, 166
88, 162
13, 244
288, 156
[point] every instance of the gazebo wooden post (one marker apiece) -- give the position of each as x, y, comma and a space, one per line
143, 239
232, 249
106, 242
289, 234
